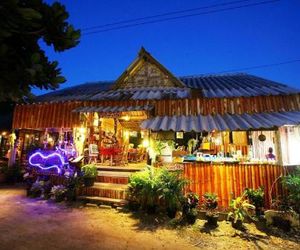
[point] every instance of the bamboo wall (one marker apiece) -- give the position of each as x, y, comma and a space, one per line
60, 115
230, 180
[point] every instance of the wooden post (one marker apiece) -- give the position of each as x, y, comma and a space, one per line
278, 148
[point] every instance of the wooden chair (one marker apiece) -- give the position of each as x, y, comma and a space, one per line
121, 159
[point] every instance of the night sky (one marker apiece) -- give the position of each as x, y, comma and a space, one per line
212, 43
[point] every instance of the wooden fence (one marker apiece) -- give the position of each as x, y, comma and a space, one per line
230, 180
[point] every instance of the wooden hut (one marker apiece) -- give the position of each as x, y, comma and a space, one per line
234, 119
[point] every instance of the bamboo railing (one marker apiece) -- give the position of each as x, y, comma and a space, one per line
230, 180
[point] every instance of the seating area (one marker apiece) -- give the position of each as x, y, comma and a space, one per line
115, 155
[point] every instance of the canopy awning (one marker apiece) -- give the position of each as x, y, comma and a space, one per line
222, 122
112, 109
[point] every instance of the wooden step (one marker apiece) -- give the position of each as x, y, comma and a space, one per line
108, 190
113, 177
102, 200
120, 168
110, 186
114, 173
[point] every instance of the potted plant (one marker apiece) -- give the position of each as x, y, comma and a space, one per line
256, 197
172, 190
211, 204
240, 209
89, 174
36, 189
189, 207
73, 182
58, 192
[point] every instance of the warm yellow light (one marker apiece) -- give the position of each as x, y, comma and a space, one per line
126, 134
50, 139
145, 143
81, 130
3, 133
126, 118
27, 136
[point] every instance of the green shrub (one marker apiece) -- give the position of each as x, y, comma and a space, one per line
155, 186
58, 192
240, 208
256, 196
292, 183
36, 189
89, 171
171, 189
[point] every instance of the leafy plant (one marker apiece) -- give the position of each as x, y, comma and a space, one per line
256, 197
36, 189
58, 192
191, 145
89, 171
144, 186
189, 205
171, 189
73, 182
210, 201
240, 209
292, 183
159, 146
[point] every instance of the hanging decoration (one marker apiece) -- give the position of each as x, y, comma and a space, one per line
48, 160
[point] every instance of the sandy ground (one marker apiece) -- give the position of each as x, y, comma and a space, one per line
37, 224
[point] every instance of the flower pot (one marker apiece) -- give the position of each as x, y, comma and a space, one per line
171, 212
237, 225
89, 181
212, 219
191, 219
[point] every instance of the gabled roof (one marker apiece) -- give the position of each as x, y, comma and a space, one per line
144, 60
147, 79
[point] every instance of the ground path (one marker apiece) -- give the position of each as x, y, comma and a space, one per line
37, 224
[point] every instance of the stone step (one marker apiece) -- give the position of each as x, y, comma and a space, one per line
103, 200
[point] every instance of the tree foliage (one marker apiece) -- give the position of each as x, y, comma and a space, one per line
23, 63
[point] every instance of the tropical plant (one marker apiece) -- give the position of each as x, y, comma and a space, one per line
171, 190
292, 183
36, 189
23, 25
189, 207
58, 192
191, 145
256, 197
240, 209
73, 182
210, 201
144, 186
89, 171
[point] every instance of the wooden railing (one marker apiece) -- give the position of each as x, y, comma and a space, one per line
230, 180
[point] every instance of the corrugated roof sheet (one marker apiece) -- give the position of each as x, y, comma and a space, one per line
80, 92
112, 109
222, 122
233, 85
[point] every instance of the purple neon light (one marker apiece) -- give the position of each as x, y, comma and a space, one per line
47, 157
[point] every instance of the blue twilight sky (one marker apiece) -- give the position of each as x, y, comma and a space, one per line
212, 43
